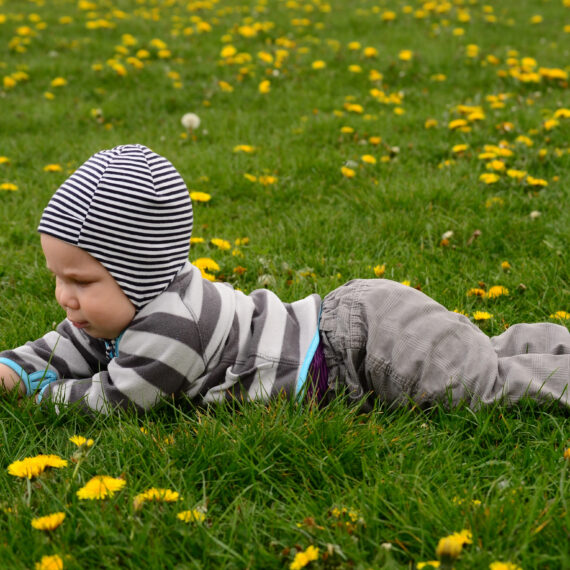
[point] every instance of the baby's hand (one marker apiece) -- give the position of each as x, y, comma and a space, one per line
9, 380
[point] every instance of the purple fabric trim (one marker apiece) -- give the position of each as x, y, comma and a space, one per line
318, 376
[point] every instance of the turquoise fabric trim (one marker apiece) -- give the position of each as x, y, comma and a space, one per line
33, 382
302, 378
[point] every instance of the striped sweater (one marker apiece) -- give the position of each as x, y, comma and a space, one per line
204, 340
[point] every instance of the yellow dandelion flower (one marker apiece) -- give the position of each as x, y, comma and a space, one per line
346, 130
4, 160
245, 148
524, 140
497, 291
496, 165
8, 186
79, 440
504, 566
354, 46
489, 177
476, 292
195, 515
482, 316
560, 315
370, 52
59, 82
459, 148
457, 123
156, 495
319, 64
406, 282
267, 179
375, 140
33, 466
505, 265
567, 453
430, 123
225, 86
539, 182
196, 240
406, 54
516, 174
368, 159
536, 19
100, 487
264, 87
196, 196
48, 522
348, 172
222, 244
250, 177
379, 270
53, 562
53, 168
206, 264
304, 557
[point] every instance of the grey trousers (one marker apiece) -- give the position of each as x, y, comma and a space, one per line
384, 340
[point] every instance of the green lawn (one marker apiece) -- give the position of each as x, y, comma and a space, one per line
424, 140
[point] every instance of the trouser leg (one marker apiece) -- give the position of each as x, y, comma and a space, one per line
384, 338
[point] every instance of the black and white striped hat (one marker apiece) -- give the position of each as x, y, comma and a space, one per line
130, 209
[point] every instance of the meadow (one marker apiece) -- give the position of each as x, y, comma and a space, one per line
424, 142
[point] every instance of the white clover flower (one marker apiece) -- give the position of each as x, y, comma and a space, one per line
190, 121
534, 214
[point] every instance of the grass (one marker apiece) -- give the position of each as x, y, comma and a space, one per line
271, 477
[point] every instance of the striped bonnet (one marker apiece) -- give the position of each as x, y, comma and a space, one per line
130, 209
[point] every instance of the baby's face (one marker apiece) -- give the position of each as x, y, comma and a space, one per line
91, 298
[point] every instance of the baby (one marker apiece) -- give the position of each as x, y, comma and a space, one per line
142, 324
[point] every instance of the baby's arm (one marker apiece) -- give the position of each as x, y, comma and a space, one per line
9, 380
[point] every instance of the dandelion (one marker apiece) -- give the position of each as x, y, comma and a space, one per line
4, 160
155, 495
567, 453
348, 172
489, 178
53, 562
503, 566
459, 148
101, 487
497, 291
264, 87
52, 168
206, 264
190, 121
430, 123
406, 54
456, 124
430, 563
248, 149
8, 186
225, 86
195, 515
375, 140
370, 52
516, 174
476, 292
196, 196
379, 270
498, 165
304, 557
505, 265
222, 244
319, 64
48, 522
482, 316
538, 182
267, 180
80, 441
560, 315
368, 159
346, 130
59, 82
33, 466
